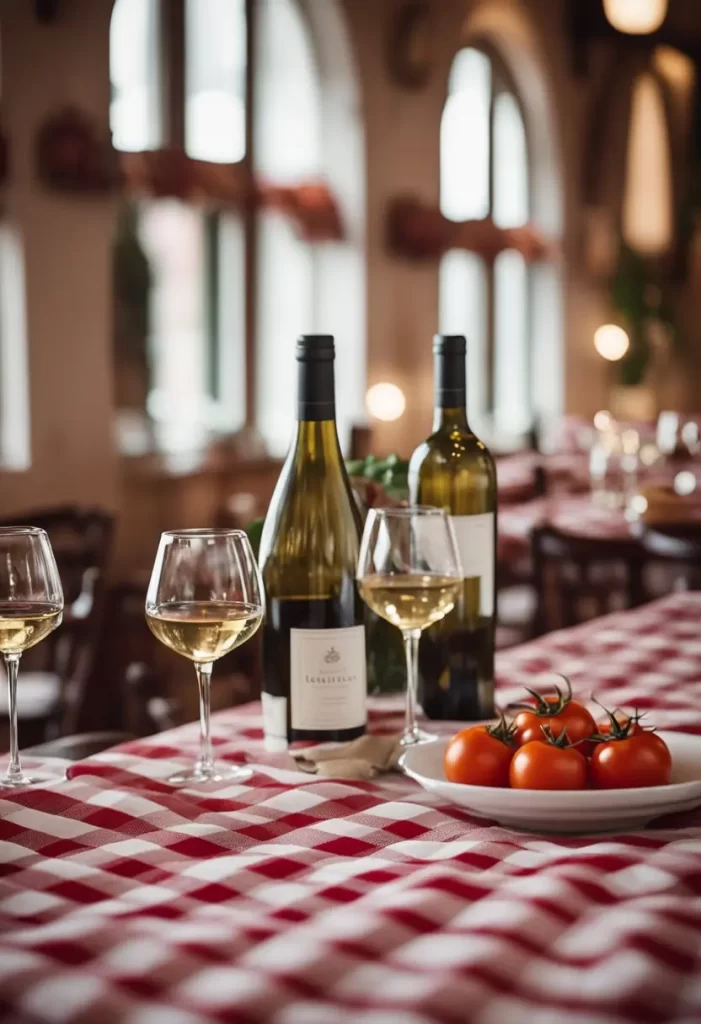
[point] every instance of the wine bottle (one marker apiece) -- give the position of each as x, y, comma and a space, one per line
314, 669
453, 469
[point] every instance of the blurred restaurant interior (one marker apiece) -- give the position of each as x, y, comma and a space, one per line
188, 185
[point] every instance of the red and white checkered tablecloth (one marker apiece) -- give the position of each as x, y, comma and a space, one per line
299, 901
575, 514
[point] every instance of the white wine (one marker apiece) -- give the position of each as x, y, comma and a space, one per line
454, 470
411, 601
204, 631
25, 623
314, 671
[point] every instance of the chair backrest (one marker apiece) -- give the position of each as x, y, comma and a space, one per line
81, 539
578, 578
679, 545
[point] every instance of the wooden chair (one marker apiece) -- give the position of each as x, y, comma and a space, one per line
54, 676
579, 578
678, 545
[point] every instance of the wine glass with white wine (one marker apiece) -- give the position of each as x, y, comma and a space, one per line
205, 599
31, 606
409, 573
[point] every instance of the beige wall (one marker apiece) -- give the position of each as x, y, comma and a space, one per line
67, 244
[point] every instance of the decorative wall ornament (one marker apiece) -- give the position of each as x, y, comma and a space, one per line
419, 231
170, 173
72, 156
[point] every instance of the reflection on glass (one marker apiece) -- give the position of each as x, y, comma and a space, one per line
215, 80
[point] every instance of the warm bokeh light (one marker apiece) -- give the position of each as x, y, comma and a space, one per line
611, 342
685, 483
385, 401
603, 420
636, 17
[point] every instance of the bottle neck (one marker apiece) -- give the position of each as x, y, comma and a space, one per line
317, 440
315, 391
449, 406
316, 410
449, 418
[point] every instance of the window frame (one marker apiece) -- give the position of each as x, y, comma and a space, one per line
502, 81
171, 33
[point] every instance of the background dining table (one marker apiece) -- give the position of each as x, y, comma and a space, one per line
302, 900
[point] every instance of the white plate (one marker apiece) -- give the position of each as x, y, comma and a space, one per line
571, 811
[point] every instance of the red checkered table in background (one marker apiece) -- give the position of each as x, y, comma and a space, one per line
309, 902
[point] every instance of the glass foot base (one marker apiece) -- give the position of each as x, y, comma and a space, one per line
35, 779
415, 736
211, 773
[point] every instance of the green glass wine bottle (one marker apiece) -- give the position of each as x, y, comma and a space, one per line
453, 469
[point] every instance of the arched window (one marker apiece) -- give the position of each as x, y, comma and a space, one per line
228, 292
647, 199
485, 172
288, 148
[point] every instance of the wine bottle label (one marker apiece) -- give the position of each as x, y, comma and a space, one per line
475, 538
327, 678
274, 721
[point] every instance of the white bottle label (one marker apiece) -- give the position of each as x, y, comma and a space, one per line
475, 538
274, 721
328, 678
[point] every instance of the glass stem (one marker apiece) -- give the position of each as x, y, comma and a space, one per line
204, 678
14, 769
411, 651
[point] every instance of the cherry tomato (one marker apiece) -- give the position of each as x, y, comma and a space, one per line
541, 764
480, 756
606, 729
557, 712
641, 759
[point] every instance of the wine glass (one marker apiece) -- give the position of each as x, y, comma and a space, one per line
31, 606
409, 573
205, 598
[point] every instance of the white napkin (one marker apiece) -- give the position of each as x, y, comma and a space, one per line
362, 758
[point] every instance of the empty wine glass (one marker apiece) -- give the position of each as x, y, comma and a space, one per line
205, 599
409, 573
31, 606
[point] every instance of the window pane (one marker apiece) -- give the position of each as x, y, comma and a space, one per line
215, 69
465, 138
229, 363
647, 204
510, 163
285, 310
14, 377
173, 238
288, 102
511, 358
288, 150
135, 109
462, 306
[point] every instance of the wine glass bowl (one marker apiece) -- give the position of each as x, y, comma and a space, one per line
204, 600
31, 607
409, 574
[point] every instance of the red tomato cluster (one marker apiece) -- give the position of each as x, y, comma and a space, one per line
553, 742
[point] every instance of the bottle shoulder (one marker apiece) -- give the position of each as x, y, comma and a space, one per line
455, 449
312, 524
